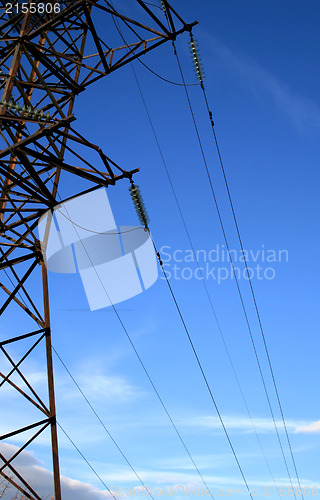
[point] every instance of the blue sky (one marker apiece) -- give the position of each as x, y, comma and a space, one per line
262, 81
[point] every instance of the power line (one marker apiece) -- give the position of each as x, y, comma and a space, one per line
86, 460
165, 79
231, 261
90, 405
184, 324
203, 373
205, 378
77, 385
111, 233
109, 4
101, 422
143, 365
198, 268
250, 283
197, 359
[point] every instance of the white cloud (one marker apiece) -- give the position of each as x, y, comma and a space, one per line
37, 379
109, 386
239, 423
311, 428
165, 479
120, 478
41, 479
301, 110
96, 382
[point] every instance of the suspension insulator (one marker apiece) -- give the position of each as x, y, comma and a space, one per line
3, 104
196, 60
10, 105
139, 205
163, 6
28, 112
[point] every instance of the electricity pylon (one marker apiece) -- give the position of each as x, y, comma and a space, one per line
50, 52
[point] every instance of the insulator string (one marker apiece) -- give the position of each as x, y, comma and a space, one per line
139, 205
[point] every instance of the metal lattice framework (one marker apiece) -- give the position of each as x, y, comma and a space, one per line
47, 59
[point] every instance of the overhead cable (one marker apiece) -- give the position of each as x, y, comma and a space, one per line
251, 288
101, 422
199, 268
143, 365
180, 314
86, 460
198, 63
109, 4
203, 374
232, 264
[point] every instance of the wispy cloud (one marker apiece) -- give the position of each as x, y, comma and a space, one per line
41, 479
109, 386
312, 428
240, 423
172, 480
119, 478
301, 110
97, 383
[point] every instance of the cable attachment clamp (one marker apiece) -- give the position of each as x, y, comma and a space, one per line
160, 261
139, 205
196, 59
211, 118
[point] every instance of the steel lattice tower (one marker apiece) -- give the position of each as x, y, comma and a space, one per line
50, 52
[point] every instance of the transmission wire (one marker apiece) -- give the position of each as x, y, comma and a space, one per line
141, 362
231, 261
86, 460
198, 268
202, 371
80, 390
188, 335
88, 402
195, 354
63, 430
110, 5
250, 283
101, 422
184, 84
143, 365
111, 233
165, 79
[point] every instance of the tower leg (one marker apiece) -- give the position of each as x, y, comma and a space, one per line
52, 406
